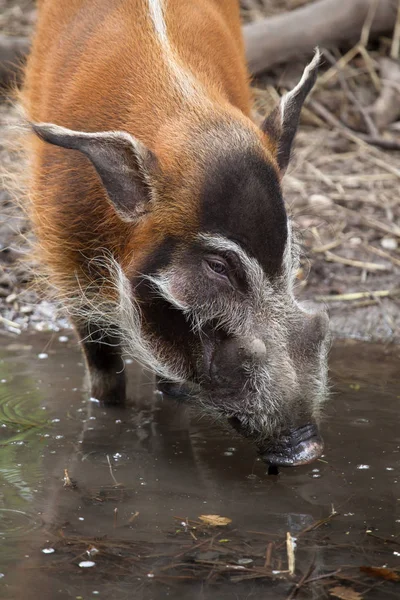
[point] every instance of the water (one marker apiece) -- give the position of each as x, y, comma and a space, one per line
138, 478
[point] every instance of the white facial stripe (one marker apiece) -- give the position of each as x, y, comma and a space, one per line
287, 255
184, 80
156, 8
163, 286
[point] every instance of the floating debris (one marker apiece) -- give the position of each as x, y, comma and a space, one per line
345, 593
215, 520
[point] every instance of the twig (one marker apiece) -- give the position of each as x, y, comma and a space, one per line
358, 295
133, 517
365, 303
67, 480
382, 539
381, 142
394, 50
290, 545
319, 523
370, 66
111, 472
373, 131
323, 576
342, 62
382, 253
393, 229
369, 266
368, 23
268, 554
305, 576
9, 323
358, 138
327, 246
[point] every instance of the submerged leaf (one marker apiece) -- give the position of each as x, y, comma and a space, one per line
215, 520
381, 572
345, 593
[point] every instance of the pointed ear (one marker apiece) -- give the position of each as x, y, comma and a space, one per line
281, 124
127, 169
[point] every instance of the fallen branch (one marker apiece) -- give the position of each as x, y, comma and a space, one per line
326, 23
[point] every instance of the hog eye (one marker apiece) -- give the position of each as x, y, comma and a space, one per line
217, 266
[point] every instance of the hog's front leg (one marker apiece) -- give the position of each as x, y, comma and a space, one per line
104, 362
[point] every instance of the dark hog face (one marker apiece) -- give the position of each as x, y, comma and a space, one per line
224, 312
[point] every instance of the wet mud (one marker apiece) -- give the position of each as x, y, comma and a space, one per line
115, 503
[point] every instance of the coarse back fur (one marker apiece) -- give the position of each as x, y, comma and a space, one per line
98, 65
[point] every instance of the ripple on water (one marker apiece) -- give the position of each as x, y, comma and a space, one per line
16, 523
21, 411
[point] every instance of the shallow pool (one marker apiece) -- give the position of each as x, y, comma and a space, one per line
106, 503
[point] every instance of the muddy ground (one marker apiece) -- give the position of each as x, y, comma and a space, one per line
342, 192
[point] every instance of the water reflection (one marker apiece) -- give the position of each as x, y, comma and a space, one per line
73, 472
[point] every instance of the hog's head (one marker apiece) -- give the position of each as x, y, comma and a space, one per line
207, 300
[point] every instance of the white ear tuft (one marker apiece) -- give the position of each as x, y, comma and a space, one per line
281, 125
305, 84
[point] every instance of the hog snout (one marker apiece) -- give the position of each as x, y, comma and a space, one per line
233, 357
297, 447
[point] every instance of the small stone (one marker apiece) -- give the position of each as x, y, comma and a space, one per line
319, 201
48, 550
389, 243
26, 310
244, 561
85, 564
5, 281
10, 299
355, 241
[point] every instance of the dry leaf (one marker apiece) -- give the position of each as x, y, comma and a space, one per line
381, 572
215, 520
345, 593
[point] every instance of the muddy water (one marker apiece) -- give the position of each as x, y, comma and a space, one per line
140, 472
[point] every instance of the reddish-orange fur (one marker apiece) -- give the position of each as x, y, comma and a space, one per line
95, 66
